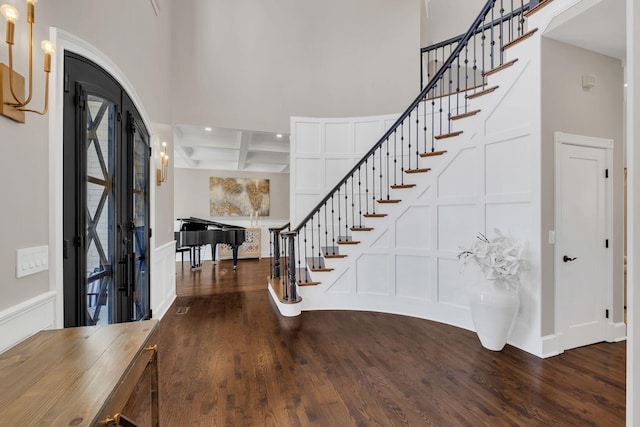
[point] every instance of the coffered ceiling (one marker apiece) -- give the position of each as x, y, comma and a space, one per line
230, 149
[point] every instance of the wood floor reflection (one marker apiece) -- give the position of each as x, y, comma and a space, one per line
232, 360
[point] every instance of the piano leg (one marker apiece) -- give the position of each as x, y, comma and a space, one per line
193, 257
234, 252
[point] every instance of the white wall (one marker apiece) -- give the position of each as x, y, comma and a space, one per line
262, 62
598, 112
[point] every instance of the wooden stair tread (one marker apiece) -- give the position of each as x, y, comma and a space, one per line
419, 170
388, 200
378, 215
348, 242
465, 115
448, 135
401, 186
453, 93
329, 256
483, 92
500, 67
308, 283
320, 269
361, 228
536, 8
519, 39
433, 153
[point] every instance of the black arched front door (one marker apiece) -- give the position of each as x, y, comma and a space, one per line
106, 200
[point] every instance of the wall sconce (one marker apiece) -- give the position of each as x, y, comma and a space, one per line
14, 104
161, 174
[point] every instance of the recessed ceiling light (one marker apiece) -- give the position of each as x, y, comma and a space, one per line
278, 135
208, 129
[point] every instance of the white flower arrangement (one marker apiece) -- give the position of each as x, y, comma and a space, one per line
498, 258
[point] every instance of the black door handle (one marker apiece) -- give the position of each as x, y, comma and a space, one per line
567, 259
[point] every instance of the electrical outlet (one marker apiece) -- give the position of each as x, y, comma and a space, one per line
32, 260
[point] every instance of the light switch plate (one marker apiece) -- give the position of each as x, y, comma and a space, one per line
32, 260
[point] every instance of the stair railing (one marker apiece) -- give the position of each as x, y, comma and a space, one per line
420, 131
507, 22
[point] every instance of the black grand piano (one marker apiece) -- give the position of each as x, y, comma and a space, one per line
195, 233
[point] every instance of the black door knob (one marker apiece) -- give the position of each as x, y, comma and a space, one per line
567, 259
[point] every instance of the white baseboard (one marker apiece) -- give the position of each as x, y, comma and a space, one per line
616, 332
551, 345
25, 319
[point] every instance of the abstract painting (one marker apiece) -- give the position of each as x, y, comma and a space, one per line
238, 196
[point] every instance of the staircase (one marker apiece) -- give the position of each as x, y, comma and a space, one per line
386, 237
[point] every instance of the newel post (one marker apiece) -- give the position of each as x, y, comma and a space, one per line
291, 293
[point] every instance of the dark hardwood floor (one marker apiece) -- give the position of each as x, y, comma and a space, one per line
232, 360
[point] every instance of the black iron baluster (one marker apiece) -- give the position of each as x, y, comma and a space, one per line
326, 229
339, 216
360, 195
306, 269
492, 44
380, 168
417, 143
346, 206
424, 120
353, 202
313, 246
319, 239
501, 43
387, 174
373, 180
395, 159
366, 188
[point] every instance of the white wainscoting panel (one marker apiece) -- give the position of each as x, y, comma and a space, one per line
413, 277
25, 319
456, 226
453, 282
457, 179
413, 229
373, 274
163, 279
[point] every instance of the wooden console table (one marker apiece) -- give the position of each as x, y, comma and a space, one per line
77, 376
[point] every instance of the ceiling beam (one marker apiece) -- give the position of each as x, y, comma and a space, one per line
245, 142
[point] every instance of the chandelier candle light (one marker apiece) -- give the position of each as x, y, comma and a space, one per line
161, 173
12, 84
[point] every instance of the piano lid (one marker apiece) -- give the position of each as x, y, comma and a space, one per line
202, 224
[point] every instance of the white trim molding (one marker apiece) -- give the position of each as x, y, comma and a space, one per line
25, 319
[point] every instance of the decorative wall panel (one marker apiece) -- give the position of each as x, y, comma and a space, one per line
373, 274
413, 277
238, 196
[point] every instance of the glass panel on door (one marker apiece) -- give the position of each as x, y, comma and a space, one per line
141, 226
99, 238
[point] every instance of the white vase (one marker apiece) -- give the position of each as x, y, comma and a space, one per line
494, 306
